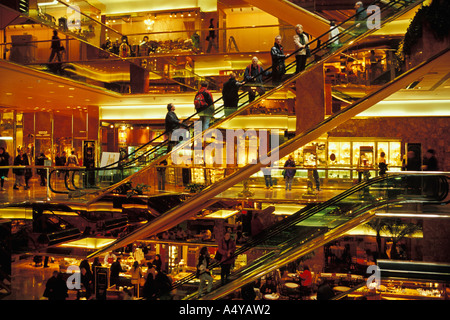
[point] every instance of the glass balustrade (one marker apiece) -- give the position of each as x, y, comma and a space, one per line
281, 242
205, 148
134, 163
191, 144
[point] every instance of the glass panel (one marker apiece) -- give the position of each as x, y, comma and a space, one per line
7, 132
344, 150
285, 238
395, 155
339, 153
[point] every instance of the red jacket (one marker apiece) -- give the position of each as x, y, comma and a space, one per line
227, 249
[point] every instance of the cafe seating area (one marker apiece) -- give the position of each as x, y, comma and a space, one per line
290, 286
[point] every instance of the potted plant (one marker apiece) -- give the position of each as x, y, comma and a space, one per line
128, 189
195, 187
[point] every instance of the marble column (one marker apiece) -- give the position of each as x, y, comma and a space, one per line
310, 102
436, 240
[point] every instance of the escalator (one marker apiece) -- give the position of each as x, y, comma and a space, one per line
201, 199
311, 228
148, 156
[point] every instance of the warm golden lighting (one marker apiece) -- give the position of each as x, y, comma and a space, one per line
222, 214
408, 108
89, 243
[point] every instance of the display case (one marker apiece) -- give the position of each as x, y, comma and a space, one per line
339, 153
345, 155
401, 290
310, 157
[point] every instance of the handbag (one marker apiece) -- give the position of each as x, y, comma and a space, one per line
308, 52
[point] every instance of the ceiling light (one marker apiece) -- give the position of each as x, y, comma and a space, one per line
48, 3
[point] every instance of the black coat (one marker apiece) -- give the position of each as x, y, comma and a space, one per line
40, 161
172, 122
115, 269
21, 161
56, 289
4, 161
278, 58
230, 93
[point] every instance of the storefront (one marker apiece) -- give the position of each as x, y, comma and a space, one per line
51, 133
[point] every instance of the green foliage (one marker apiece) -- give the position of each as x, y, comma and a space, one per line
138, 190
435, 16
128, 189
195, 187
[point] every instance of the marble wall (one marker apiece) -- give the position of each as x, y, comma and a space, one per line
431, 132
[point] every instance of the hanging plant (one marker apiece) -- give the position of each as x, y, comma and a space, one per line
415, 30
435, 16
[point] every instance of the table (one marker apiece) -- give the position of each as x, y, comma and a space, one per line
292, 285
272, 296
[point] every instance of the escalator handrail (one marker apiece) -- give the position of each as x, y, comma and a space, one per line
324, 44
166, 141
302, 215
287, 147
239, 274
290, 80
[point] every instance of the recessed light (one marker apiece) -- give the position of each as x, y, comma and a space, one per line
9, 94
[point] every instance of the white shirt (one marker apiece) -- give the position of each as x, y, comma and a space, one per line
334, 32
110, 256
